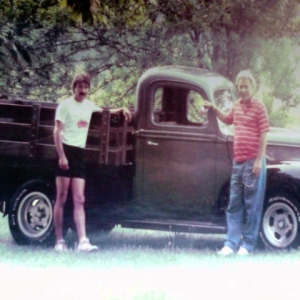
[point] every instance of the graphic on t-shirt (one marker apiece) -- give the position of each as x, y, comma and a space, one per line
82, 124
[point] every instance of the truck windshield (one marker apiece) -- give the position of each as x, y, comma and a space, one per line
224, 100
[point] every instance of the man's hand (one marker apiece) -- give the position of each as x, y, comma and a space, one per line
257, 167
127, 114
208, 104
63, 163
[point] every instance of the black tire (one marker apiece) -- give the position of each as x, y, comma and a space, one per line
31, 215
280, 223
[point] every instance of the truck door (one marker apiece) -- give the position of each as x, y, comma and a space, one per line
177, 147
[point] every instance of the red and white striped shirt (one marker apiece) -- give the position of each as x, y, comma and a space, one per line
249, 121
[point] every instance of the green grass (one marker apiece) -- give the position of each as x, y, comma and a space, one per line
136, 264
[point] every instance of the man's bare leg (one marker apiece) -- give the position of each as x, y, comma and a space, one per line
62, 187
78, 186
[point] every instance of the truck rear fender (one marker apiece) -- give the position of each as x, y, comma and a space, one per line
34, 182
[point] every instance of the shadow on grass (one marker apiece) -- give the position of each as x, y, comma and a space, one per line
120, 237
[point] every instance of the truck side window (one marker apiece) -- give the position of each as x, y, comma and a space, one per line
178, 106
194, 103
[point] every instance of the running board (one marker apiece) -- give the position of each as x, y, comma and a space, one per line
175, 226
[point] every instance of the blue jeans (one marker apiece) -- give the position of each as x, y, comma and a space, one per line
244, 210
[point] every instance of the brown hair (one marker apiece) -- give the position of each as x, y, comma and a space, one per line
82, 77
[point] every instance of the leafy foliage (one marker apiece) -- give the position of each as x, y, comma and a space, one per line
107, 12
28, 32
42, 44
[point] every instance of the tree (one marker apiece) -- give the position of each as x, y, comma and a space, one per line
28, 32
117, 40
114, 13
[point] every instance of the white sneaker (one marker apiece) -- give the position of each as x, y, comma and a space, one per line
243, 251
226, 251
61, 246
86, 246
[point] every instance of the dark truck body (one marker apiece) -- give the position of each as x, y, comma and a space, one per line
169, 169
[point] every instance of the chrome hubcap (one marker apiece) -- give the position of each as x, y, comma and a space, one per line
280, 225
35, 214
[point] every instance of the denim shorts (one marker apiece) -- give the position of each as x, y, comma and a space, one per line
75, 156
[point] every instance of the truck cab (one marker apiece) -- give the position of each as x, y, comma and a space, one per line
183, 160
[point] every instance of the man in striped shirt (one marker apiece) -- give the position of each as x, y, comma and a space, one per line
248, 178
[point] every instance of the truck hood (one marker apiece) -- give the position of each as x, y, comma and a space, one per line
283, 145
284, 136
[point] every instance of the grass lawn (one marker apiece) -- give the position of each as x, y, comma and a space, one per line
133, 264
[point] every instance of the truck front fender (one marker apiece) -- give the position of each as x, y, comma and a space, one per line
281, 176
284, 176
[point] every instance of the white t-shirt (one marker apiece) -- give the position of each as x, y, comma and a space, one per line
76, 117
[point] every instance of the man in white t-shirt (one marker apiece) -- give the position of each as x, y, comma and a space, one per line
72, 120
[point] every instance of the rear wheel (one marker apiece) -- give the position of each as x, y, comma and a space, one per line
280, 223
31, 215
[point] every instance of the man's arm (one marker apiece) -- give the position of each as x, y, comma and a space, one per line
63, 162
127, 114
220, 114
261, 152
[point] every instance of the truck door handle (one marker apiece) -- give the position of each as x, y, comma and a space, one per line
152, 144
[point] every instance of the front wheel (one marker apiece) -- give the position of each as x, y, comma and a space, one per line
31, 215
280, 223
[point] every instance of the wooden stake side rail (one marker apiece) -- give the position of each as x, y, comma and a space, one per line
26, 129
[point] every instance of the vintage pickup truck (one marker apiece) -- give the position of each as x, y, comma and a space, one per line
168, 169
